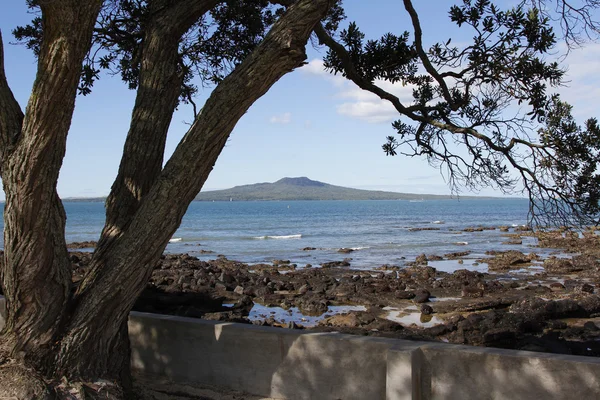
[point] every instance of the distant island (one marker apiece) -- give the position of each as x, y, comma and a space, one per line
301, 188
304, 188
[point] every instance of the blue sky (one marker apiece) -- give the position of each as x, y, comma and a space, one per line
310, 123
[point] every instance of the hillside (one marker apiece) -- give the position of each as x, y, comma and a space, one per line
305, 189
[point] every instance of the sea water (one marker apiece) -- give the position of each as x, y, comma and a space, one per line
379, 232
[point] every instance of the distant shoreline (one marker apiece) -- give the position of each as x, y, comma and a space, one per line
425, 199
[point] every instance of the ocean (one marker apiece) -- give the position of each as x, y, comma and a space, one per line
379, 232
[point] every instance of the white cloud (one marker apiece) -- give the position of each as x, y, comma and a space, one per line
284, 118
582, 88
358, 103
316, 67
375, 112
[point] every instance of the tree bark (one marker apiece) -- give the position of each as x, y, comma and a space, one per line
36, 276
121, 267
84, 335
159, 87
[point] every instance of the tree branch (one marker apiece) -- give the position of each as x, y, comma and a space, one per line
11, 116
129, 259
37, 271
159, 87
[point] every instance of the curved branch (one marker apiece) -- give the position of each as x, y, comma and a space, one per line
431, 70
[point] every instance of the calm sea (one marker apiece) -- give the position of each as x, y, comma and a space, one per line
378, 231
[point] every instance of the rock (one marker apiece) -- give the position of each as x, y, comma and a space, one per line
472, 291
345, 250
344, 263
226, 278
350, 320
82, 245
239, 290
506, 260
309, 248
403, 294
584, 288
421, 296
313, 306
426, 309
591, 326
559, 265
458, 254
421, 260
557, 286
513, 241
303, 289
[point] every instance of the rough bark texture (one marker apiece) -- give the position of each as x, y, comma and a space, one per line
84, 335
158, 91
121, 268
36, 274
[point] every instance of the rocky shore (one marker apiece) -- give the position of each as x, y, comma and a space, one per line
524, 301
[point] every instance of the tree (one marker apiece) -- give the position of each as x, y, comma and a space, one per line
161, 48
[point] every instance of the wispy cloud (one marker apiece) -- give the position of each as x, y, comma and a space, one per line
357, 103
284, 118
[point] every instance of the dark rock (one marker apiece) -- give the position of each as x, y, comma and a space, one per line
559, 265
506, 260
591, 326
344, 263
403, 294
421, 260
421, 296
557, 286
345, 250
309, 248
426, 309
458, 254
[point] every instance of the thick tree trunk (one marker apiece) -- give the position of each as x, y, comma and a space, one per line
84, 335
121, 268
36, 276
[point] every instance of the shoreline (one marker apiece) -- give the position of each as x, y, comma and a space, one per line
524, 302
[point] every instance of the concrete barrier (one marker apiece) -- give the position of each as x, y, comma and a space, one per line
291, 364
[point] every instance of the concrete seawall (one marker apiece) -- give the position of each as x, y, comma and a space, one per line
293, 364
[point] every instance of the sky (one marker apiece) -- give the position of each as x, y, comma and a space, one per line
310, 123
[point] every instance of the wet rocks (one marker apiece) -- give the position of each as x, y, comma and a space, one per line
458, 254
345, 250
421, 260
332, 264
507, 260
426, 309
559, 265
82, 245
421, 296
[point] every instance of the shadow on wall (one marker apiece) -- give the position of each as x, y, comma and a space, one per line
290, 364
465, 372
270, 362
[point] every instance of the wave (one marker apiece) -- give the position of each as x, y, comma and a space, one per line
438, 222
360, 248
175, 240
278, 237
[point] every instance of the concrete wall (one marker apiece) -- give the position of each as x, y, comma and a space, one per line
292, 364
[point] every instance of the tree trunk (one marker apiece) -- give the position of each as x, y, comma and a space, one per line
36, 276
121, 268
84, 335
